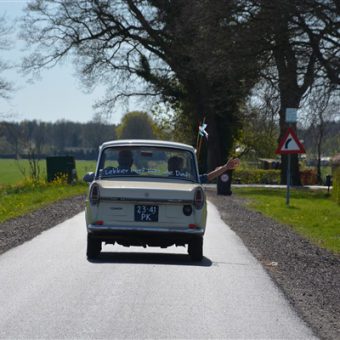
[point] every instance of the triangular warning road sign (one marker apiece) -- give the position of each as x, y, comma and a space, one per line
290, 144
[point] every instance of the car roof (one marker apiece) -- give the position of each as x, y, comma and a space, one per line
147, 142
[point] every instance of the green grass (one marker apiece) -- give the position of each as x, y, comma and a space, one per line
85, 166
10, 173
19, 195
17, 200
312, 214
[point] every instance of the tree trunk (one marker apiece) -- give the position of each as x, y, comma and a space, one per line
319, 143
214, 145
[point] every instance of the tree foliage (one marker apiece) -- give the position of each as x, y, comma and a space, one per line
183, 51
202, 58
302, 43
136, 125
5, 86
59, 138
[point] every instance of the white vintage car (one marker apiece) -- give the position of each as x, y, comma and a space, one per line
145, 193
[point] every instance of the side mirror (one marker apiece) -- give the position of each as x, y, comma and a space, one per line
89, 177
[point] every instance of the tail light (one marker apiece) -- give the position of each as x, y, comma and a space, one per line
199, 198
94, 194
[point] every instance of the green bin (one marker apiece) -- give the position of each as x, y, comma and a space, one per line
61, 166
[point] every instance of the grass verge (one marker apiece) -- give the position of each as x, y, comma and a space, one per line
17, 200
312, 214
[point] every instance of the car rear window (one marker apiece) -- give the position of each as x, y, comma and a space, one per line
145, 161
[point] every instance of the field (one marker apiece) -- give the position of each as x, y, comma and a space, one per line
312, 213
11, 170
19, 195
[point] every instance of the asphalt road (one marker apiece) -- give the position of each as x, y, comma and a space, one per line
49, 290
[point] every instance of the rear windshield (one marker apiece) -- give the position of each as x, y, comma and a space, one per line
144, 161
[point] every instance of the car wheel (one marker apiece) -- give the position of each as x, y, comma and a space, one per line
195, 249
93, 247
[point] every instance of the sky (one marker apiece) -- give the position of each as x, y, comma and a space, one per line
58, 94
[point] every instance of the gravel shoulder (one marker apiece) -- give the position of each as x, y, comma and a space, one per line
21, 229
308, 276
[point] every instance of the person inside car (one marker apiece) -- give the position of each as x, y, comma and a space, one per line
175, 166
125, 161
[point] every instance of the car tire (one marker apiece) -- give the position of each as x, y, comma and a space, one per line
93, 247
195, 249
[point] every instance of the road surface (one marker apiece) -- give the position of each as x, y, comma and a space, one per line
49, 290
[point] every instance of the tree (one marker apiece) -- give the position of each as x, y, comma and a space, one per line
322, 107
201, 57
260, 129
293, 66
5, 86
185, 53
31, 149
12, 133
23, 139
136, 125
321, 23
97, 131
298, 54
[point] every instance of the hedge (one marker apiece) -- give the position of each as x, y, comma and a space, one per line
336, 185
256, 176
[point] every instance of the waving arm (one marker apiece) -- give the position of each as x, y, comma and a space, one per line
230, 165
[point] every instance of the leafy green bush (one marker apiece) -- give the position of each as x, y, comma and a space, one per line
336, 185
256, 176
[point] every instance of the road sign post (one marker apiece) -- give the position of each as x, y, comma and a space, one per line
288, 145
288, 180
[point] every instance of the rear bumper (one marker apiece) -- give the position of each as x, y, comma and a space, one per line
145, 236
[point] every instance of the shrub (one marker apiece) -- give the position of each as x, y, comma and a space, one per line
256, 176
336, 185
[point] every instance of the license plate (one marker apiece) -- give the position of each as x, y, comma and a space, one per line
146, 213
